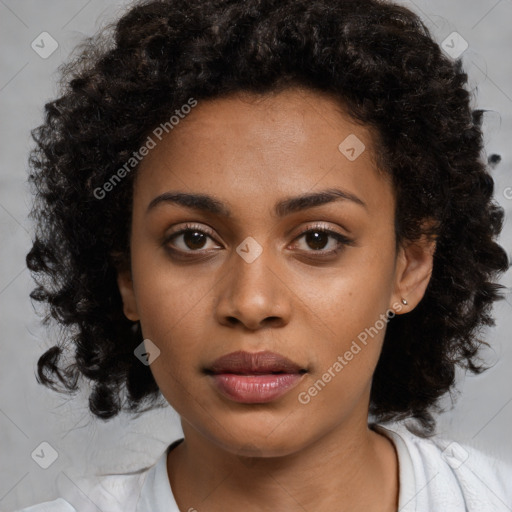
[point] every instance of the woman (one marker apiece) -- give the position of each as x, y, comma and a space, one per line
274, 215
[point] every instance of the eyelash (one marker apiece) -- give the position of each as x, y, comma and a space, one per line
341, 239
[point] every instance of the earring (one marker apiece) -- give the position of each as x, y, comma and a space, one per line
404, 302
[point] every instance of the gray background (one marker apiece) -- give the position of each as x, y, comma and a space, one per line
30, 414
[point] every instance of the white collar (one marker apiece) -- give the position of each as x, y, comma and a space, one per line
407, 481
156, 493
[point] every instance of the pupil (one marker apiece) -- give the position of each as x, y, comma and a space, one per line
194, 240
316, 239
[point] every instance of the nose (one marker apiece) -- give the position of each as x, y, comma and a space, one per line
253, 295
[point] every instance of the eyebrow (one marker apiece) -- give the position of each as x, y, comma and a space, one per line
209, 204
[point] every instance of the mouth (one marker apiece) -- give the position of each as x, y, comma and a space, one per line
259, 377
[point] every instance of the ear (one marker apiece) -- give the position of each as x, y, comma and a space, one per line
125, 284
413, 270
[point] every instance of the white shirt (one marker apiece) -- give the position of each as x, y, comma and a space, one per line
435, 475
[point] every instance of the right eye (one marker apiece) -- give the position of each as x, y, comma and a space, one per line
189, 239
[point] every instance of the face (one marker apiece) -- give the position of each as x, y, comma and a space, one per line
287, 246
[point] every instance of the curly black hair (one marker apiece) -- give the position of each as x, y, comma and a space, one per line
379, 60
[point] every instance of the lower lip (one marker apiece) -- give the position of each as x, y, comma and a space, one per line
255, 389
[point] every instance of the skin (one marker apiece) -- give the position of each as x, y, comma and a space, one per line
250, 152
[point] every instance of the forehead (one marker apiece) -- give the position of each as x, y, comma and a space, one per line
256, 146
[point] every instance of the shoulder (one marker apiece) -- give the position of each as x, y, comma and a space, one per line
115, 493
454, 475
58, 505
138, 491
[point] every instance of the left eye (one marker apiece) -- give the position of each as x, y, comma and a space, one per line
322, 240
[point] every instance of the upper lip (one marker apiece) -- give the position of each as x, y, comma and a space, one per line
249, 363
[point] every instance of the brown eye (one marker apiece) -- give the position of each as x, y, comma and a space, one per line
191, 239
320, 241
317, 239
194, 239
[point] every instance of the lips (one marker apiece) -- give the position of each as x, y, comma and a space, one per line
254, 377
247, 363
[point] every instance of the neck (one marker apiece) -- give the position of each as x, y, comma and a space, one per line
349, 468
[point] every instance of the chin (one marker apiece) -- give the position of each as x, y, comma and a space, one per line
259, 437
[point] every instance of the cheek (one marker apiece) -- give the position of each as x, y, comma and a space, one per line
351, 323
174, 305
350, 319
344, 359
353, 296
166, 293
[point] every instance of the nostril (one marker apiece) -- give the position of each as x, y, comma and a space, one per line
274, 321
